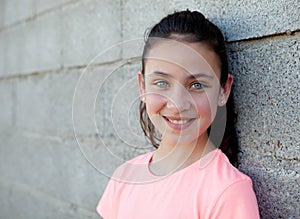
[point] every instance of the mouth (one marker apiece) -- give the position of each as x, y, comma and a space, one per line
178, 123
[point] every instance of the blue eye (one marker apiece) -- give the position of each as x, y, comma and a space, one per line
197, 86
161, 84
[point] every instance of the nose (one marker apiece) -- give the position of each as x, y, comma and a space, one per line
179, 100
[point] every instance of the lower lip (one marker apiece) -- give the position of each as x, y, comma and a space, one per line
179, 127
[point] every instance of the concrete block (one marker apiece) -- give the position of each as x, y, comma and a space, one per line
86, 106
13, 50
43, 43
266, 90
90, 28
7, 100
34, 45
44, 103
238, 20
58, 169
14, 11
21, 201
267, 102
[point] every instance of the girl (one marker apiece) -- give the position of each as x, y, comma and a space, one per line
185, 88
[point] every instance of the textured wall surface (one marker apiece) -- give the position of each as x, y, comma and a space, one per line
69, 67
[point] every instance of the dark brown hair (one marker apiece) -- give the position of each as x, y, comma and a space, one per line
194, 27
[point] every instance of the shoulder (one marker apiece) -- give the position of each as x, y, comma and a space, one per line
134, 170
237, 201
224, 171
233, 193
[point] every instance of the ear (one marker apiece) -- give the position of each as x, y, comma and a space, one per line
225, 91
141, 83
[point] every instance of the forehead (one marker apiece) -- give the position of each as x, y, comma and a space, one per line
191, 57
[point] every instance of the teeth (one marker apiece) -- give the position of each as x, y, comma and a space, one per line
178, 122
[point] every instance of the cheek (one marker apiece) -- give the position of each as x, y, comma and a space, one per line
154, 103
206, 106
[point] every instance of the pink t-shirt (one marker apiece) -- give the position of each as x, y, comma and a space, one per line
209, 188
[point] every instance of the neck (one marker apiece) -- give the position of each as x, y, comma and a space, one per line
169, 158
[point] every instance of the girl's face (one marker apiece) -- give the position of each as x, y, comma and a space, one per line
181, 89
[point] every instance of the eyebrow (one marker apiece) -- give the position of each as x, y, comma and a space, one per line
192, 76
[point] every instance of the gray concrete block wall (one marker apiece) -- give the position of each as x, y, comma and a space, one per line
267, 93
46, 47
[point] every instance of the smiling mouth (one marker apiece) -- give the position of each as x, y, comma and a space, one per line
178, 121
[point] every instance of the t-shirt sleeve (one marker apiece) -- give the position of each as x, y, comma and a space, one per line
236, 202
105, 206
